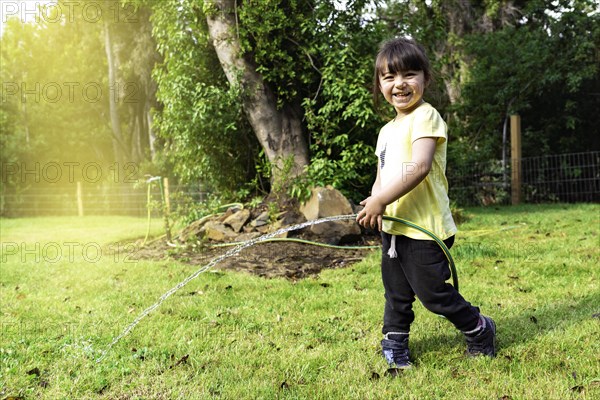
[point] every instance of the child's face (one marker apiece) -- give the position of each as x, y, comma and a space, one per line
403, 90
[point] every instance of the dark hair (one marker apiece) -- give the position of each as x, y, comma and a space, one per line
399, 55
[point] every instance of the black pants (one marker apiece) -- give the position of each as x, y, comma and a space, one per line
421, 269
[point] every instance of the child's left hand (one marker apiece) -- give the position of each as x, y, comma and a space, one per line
372, 215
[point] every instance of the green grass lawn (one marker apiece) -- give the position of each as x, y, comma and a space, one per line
65, 296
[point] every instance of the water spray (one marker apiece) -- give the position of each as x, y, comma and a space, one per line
234, 251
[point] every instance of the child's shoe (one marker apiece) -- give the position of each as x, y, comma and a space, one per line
395, 350
482, 341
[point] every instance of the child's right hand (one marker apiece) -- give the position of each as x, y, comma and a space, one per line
372, 215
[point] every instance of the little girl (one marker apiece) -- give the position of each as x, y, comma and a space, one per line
411, 184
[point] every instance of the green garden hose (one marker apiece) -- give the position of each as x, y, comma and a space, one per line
432, 235
266, 237
439, 241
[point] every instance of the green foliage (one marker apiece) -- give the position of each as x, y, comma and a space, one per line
47, 116
565, 107
55, 93
270, 36
341, 122
314, 55
13, 142
536, 58
190, 210
273, 211
206, 135
517, 71
320, 56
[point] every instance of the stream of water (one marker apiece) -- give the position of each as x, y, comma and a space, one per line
212, 263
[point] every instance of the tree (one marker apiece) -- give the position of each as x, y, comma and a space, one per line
499, 57
207, 139
278, 127
131, 55
57, 103
56, 106
312, 64
516, 70
119, 147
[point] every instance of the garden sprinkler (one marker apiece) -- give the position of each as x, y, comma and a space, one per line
153, 178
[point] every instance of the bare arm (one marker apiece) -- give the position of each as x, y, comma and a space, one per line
411, 175
377, 185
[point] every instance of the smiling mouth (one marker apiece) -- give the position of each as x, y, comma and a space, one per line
402, 94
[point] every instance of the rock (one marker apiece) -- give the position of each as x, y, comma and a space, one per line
237, 220
194, 231
277, 226
248, 229
325, 202
291, 217
228, 213
328, 202
262, 219
222, 217
244, 237
263, 229
282, 235
217, 231
357, 208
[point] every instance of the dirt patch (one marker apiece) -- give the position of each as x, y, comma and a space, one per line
270, 259
202, 241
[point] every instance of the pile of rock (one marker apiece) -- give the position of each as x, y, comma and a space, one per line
240, 224
329, 202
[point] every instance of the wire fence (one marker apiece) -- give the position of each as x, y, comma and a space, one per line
555, 178
573, 177
130, 199
565, 178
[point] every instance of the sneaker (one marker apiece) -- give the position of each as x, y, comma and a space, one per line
482, 342
395, 350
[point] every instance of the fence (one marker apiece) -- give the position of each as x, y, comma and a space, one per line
573, 177
555, 178
95, 199
564, 177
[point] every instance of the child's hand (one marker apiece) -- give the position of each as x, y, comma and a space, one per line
372, 215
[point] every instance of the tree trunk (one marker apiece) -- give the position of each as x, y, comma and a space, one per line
451, 78
138, 127
279, 131
151, 134
462, 18
115, 121
25, 121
